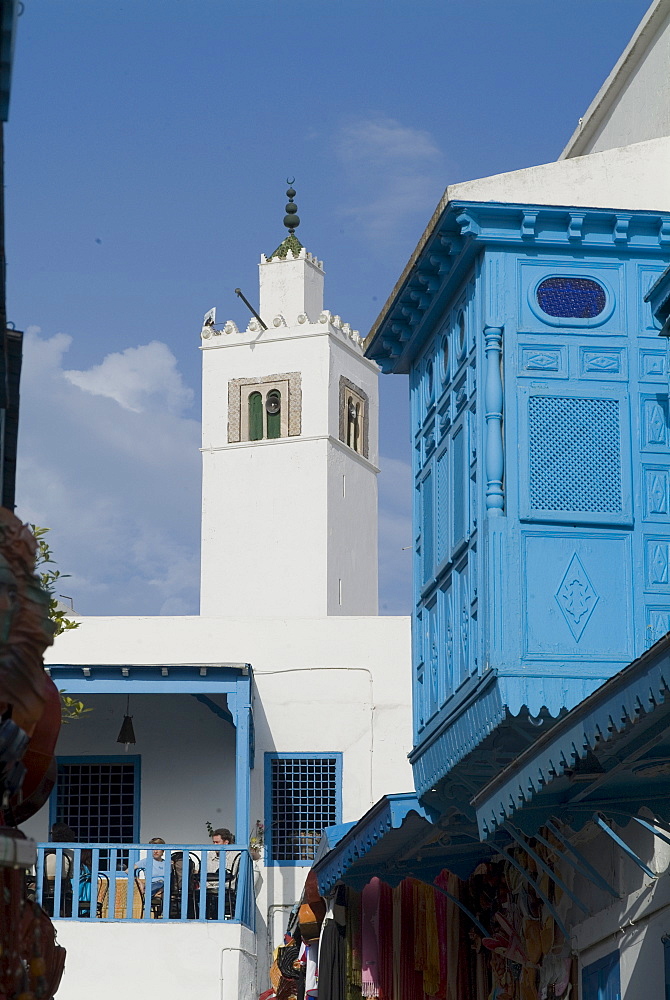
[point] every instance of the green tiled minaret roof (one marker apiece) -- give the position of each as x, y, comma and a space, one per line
291, 243
291, 221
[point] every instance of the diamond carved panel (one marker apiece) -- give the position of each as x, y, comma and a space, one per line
576, 597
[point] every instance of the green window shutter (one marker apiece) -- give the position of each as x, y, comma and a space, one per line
255, 416
273, 407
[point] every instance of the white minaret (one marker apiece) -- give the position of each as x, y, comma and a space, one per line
289, 446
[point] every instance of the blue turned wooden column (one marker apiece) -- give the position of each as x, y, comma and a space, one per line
240, 707
494, 457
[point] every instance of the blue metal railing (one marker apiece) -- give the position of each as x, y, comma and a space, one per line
174, 882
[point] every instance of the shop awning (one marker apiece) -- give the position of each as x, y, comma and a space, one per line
376, 845
603, 761
394, 840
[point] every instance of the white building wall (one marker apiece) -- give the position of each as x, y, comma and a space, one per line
265, 529
274, 534
633, 104
633, 925
156, 961
320, 685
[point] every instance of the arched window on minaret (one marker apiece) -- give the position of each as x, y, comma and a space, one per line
255, 416
273, 410
353, 423
353, 417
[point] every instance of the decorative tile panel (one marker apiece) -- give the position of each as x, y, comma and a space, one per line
549, 360
658, 624
657, 564
235, 402
576, 597
656, 492
654, 422
600, 363
653, 364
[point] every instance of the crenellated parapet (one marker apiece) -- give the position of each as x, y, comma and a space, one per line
215, 334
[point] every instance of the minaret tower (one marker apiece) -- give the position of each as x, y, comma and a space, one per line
289, 447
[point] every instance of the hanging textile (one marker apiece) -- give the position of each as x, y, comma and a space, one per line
370, 934
353, 935
441, 924
431, 971
332, 951
411, 981
385, 940
311, 988
397, 940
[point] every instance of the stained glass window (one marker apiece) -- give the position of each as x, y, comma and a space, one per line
574, 298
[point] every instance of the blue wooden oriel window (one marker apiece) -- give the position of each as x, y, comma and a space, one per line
601, 980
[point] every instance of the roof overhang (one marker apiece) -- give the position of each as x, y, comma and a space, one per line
608, 756
152, 678
460, 230
376, 845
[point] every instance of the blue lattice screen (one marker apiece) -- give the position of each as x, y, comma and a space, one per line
575, 454
97, 801
304, 799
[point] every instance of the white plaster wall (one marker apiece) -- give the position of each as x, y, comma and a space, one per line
632, 925
634, 177
634, 102
157, 961
187, 762
271, 538
352, 493
352, 534
303, 349
321, 684
264, 534
289, 287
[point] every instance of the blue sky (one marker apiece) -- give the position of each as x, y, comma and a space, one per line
146, 156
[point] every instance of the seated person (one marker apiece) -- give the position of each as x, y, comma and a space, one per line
60, 833
221, 836
157, 869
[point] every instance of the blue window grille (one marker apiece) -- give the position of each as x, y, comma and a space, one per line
575, 454
601, 980
575, 298
98, 797
303, 795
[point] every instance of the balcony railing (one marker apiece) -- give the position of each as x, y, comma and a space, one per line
123, 882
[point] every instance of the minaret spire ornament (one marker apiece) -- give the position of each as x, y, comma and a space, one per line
291, 219
291, 245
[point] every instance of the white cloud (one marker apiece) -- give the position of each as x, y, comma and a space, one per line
137, 378
115, 475
109, 460
384, 140
398, 173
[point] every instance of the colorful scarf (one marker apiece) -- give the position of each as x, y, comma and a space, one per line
370, 934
